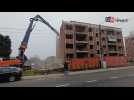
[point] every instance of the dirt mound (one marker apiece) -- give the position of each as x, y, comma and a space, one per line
53, 63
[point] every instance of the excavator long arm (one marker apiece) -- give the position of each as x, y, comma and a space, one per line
24, 43
47, 23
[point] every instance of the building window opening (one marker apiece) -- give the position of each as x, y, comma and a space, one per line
110, 32
105, 55
120, 48
69, 27
90, 38
80, 28
96, 34
97, 42
82, 55
91, 46
118, 33
104, 46
119, 40
113, 42
103, 39
102, 31
91, 55
98, 51
81, 37
112, 48
132, 38
68, 36
113, 54
90, 29
120, 54
69, 46
69, 55
81, 46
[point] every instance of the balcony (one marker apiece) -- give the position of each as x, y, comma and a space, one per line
69, 50
70, 41
81, 33
80, 28
82, 50
113, 51
69, 31
112, 38
112, 44
81, 38
79, 51
82, 42
82, 54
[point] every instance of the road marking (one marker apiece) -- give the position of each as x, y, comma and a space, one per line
91, 81
114, 77
41, 79
63, 85
131, 75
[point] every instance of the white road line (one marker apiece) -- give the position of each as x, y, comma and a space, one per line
63, 85
131, 75
114, 77
41, 79
91, 81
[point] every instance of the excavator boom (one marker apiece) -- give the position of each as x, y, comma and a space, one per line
24, 43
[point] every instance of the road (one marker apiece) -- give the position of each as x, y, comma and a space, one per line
113, 78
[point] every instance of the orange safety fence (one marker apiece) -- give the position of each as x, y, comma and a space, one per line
83, 64
115, 61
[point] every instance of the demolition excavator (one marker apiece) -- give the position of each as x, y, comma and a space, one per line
20, 60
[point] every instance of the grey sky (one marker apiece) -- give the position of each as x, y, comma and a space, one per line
43, 41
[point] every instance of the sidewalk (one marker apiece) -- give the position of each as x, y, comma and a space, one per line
75, 73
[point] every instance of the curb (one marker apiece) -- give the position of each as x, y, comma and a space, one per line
74, 73
32, 77
102, 70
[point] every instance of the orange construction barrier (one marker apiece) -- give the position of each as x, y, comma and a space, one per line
84, 64
116, 61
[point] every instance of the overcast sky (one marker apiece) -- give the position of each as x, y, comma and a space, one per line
42, 41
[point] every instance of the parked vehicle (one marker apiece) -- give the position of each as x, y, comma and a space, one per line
10, 74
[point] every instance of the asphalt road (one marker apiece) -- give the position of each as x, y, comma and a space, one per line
114, 78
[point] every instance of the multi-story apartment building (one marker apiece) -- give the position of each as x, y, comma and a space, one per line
129, 44
83, 40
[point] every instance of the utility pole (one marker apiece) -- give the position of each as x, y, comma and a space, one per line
101, 49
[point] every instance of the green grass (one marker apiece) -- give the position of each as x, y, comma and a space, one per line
32, 72
41, 72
